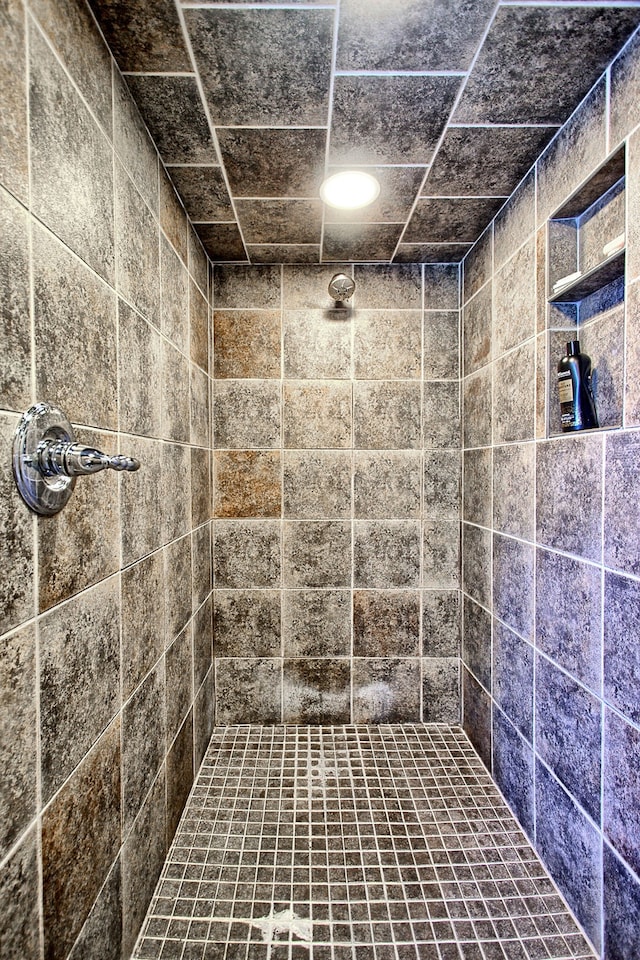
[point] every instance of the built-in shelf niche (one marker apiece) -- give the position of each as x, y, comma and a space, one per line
590, 306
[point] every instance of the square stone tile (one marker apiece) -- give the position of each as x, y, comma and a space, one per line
246, 414
317, 414
386, 623
248, 483
387, 344
246, 623
317, 484
316, 553
316, 623
247, 553
387, 415
386, 553
246, 344
387, 485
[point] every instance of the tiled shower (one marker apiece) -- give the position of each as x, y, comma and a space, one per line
291, 552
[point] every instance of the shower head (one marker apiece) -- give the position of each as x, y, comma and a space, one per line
341, 287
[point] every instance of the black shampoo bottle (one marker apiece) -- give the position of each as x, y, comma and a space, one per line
577, 406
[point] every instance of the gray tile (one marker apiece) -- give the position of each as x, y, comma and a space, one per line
442, 479
199, 406
19, 734
477, 326
17, 542
621, 762
283, 252
137, 249
477, 420
387, 485
514, 398
177, 584
71, 163
316, 691
440, 623
143, 742
247, 623
316, 623
516, 221
441, 351
179, 766
280, 221
513, 579
71, 556
15, 323
173, 112
246, 287
175, 478
632, 357
317, 343
476, 641
143, 630
80, 840
290, 87
198, 328
441, 414
143, 856
554, 35
247, 553
621, 651
101, 935
602, 339
513, 770
576, 152
203, 191
141, 532
623, 98
222, 241
384, 287
14, 164
386, 623
133, 145
386, 553
173, 218
387, 344
431, 254
141, 42
512, 677
478, 264
204, 709
484, 161
441, 690
305, 288
620, 526
477, 716
570, 847
317, 414
175, 394
139, 387
198, 264
441, 554
514, 300
414, 38
70, 299
477, 498
262, 162
360, 241
569, 615
179, 682
412, 109
442, 286
514, 467
246, 414
201, 564
621, 905
569, 733
317, 484
202, 642
450, 219
19, 897
316, 553
248, 691
79, 679
476, 563
386, 691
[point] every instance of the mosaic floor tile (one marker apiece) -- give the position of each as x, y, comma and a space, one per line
352, 843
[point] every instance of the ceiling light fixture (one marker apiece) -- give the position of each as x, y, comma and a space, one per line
349, 190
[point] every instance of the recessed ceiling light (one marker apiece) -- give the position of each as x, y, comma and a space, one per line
350, 189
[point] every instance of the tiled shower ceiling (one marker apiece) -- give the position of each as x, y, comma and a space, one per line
447, 102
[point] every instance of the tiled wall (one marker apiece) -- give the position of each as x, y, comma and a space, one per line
551, 534
106, 678
337, 466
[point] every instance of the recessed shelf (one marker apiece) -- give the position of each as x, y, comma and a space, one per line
599, 276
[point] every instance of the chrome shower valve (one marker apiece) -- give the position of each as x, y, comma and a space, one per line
47, 460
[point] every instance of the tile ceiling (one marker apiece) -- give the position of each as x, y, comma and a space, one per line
447, 102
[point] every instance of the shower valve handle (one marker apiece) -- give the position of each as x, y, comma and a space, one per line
58, 457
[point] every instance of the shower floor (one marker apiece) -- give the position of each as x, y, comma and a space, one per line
352, 843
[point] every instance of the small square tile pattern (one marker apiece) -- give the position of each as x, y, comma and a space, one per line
364, 842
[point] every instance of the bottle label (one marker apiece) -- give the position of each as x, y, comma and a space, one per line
565, 388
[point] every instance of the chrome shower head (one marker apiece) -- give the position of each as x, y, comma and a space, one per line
341, 287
